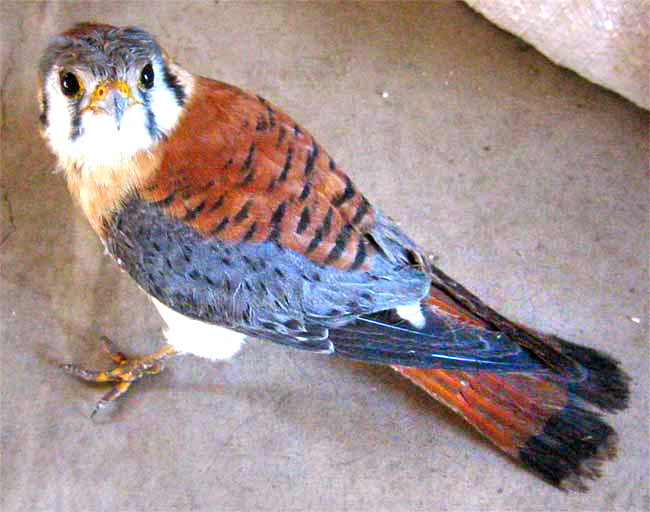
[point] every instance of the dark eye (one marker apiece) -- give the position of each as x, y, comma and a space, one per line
69, 84
146, 76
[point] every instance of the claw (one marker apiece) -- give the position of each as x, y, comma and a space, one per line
115, 392
124, 374
109, 346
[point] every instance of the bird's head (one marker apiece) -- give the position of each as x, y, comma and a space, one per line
107, 93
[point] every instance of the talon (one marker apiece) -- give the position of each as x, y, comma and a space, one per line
118, 390
124, 374
87, 375
98, 406
109, 346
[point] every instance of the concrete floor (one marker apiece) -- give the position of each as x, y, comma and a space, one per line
527, 182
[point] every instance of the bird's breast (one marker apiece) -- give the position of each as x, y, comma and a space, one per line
101, 190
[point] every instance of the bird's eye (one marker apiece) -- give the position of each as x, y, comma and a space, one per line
146, 77
70, 84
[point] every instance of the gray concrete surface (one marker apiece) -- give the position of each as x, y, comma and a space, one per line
529, 184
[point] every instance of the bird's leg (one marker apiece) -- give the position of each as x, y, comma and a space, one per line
124, 374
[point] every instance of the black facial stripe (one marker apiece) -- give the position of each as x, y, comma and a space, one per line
172, 82
339, 246
76, 123
152, 127
44, 108
75, 109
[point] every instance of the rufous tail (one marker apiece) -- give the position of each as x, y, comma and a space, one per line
530, 418
541, 418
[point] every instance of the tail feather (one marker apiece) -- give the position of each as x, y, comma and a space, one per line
529, 417
605, 384
573, 444
538, 415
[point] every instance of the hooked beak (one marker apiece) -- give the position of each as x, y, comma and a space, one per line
112, 98
116, 107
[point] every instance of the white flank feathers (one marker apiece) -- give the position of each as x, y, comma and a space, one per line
191, 336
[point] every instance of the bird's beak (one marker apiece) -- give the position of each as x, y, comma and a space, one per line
112, 98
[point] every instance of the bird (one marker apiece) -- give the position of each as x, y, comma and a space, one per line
237, 223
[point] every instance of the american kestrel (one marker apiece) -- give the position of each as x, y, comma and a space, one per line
237, 223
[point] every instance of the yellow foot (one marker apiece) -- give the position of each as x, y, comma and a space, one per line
124, 374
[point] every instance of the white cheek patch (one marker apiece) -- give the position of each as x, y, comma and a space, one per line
191, 336
163, 102
412, 313
59, 115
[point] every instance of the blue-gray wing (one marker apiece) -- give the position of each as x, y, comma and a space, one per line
271, 292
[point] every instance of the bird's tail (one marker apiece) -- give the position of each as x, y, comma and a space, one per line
539, 418
532, 419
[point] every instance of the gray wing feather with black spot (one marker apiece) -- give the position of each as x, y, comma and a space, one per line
276, 294
259, 288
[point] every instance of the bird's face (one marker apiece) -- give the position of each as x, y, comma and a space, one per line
106, 94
